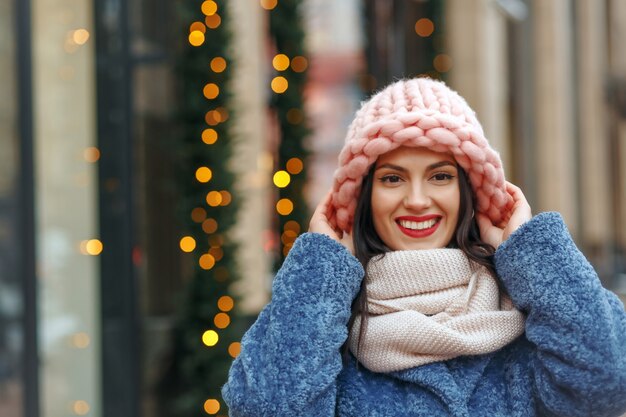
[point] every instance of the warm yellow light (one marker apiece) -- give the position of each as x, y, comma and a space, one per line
207, 261
211, 406
295, 116
209, 136
214, 198
211, 91
424, 27
93, 247
299, 63
284, 206
292, 225
286, 250
288, 237
213, 117
91, 154
209, 7
218, 64
198, 214
221, 320
204, 174
209, 226
199, 26
213, 21
80, 36
442, 63
295, 166
269, 4
226, 198
280, 62
279, 85
187, 244
281, 179
225, 303
210, 338
80, 407
196, 38
234, 349
81, 340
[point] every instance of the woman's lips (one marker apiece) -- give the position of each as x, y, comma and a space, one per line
418, 226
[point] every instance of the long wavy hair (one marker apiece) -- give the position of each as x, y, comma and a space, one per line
368, 244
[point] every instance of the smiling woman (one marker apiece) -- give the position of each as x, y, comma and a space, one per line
429, 272
415, 198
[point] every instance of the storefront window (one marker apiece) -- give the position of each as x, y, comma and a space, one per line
66, 233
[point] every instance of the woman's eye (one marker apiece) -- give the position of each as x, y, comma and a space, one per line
442, 177
390, 179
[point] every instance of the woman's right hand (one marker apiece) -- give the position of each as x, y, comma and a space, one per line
320, 224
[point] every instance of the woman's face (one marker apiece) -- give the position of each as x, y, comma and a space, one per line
415, 198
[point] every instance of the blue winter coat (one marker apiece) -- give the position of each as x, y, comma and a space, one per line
570, 362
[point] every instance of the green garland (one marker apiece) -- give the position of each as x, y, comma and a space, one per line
199, 366
287, 32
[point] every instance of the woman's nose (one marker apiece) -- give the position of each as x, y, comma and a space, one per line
417, 198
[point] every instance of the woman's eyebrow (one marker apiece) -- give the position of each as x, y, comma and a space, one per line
430, 167
441, 164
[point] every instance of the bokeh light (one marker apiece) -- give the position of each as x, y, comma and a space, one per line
187, 244
269, 4
211, 91
221, 320
209, 136
209, 226
279, 85
280, 62
284, 206
218, 64
225, 303
295, 166
210, 338
204, 174
198, 214
299, 63
196, 38
281, 179
234, 349
209, 7
206, 261
424, 27
211, 406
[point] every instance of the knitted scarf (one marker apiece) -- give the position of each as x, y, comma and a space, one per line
429, 306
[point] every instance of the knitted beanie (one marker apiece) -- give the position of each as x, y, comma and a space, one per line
418, 112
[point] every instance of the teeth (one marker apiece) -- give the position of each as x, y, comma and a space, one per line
418, 225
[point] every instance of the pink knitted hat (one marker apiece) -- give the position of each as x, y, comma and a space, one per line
418, 112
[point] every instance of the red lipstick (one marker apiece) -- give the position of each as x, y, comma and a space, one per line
419, 233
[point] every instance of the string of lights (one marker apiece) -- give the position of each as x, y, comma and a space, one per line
288, 83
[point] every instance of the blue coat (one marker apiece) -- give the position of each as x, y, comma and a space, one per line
570, 362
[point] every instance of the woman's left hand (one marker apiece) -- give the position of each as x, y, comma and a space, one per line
520, 214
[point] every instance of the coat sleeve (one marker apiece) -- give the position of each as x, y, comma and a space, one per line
290, 358
577, 326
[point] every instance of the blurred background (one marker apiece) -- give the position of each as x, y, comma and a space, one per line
158, 158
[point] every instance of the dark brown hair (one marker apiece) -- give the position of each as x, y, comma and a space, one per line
368, 244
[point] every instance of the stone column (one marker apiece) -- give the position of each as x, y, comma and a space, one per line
593, 124
251, 160
617, 69
476, 40
554, 110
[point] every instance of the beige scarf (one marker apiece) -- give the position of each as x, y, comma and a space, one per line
429, 306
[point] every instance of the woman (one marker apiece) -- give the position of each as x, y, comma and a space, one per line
470, 306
